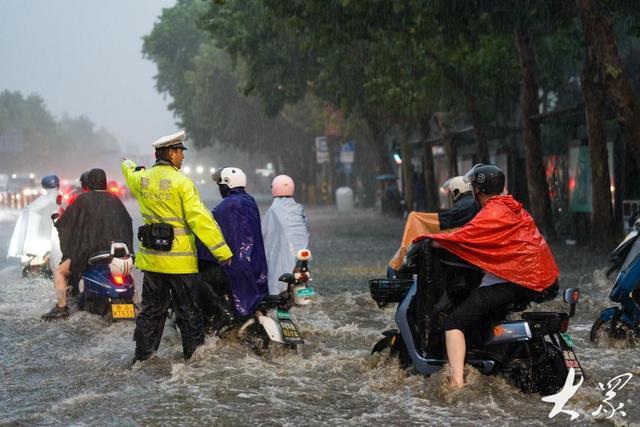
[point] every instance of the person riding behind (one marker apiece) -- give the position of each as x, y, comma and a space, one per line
173, 212
239, 218
504, 241
89, 225
284, 228
463, 208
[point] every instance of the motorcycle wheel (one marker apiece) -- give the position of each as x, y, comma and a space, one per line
396, 349
256, 338
545, 378
620, 332
551, 374
380, 346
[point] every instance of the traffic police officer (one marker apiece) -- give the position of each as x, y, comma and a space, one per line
172, 213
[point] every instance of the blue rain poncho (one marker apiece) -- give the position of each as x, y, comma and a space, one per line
239, 219
284, 228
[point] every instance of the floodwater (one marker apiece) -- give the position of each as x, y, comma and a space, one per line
76, 372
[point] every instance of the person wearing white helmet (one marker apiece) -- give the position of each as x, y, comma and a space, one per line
463, 205
463, 208
246, 277
284, 228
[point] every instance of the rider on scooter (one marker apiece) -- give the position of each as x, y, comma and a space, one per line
95, 220
463, 208
503, 240
246, 277
284, 228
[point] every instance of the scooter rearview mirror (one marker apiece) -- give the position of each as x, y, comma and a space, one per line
287, 278
571, 297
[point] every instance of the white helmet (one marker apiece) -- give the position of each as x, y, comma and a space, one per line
232, 177
457, 187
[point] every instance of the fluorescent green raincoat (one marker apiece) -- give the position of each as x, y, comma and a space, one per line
167, 196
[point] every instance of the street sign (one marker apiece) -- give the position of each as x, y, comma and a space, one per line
347, 152
322, 150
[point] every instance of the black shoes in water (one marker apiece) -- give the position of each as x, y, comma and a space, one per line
56, 313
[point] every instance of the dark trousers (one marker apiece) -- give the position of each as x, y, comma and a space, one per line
485, 301
212, 296
159, 292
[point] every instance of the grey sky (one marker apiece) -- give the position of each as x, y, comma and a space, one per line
84, 57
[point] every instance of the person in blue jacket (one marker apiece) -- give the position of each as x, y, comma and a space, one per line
245, 279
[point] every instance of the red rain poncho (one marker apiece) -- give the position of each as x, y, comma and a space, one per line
503, 239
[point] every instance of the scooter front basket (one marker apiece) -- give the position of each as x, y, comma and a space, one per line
385, 291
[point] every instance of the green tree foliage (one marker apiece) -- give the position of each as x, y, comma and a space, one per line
208, 98
41, 139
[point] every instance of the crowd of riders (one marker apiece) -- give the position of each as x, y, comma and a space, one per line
218, 265
209, 255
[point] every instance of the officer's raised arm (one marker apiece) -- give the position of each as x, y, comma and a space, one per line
202, 223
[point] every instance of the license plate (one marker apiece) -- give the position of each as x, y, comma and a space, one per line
305, 293
122, 311
289, 329
567, 339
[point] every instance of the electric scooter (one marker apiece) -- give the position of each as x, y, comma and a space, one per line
534, 353
106, 287
272, 320
622, 322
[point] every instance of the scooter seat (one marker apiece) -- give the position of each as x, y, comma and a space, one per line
273, 301
99, 257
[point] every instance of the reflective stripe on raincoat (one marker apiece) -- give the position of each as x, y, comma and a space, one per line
167, 196
504, 240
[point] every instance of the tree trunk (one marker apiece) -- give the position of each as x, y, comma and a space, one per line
479, 126
431, 186
480, 129
380, 146
602, 225
332, 143
449, 144
600, 38
539, 202
451, 152
407, 167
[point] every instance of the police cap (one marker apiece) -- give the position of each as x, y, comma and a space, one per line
170, 141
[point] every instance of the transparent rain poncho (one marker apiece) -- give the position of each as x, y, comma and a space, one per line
33, 230
284, 228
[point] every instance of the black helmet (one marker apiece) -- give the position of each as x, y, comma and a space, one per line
50, 182
488, 179
84, 181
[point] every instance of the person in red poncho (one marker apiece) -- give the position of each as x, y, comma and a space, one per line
504, 241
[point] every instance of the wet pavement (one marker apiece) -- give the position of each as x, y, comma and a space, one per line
75, 372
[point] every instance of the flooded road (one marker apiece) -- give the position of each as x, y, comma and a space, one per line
76, 371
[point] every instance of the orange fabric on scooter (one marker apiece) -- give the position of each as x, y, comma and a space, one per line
418, 223
504, 240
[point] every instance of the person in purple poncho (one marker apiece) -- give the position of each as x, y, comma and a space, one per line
245, 279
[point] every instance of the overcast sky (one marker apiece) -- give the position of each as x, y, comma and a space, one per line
84, 57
